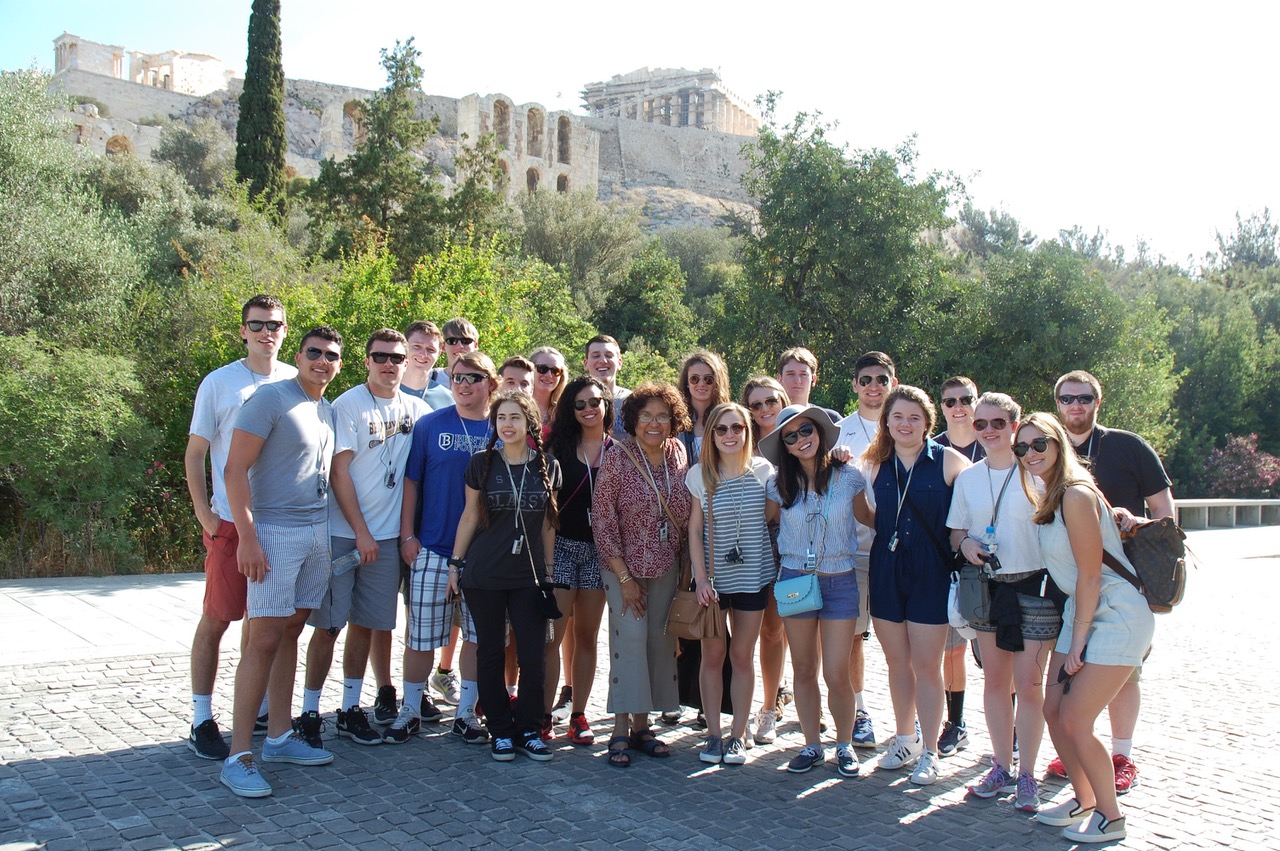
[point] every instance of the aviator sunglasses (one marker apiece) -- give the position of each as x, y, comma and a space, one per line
864, 380
695, 380
1040, 444
998, 424
724, 428
771, 402
958, 400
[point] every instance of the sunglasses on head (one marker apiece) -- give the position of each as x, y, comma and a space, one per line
1072, 398
724, 428
382, 357
701, 379
256, 325
581, 404
804, 431
998, 424
958, 400
1040, 444
771, 402
459, 341
547, 369
864, 380
469, 377
313, 353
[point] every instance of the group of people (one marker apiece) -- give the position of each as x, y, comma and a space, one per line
513, 504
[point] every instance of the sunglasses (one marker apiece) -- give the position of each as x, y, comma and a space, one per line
547, 369
661, 419
771, 402
736, 428
1040, 444
469, 377
313, 353
1072, 398
958, 400
581, 404
804, 431
864, 380
256, 325
382, 357
459, 341
701, 379
998, 424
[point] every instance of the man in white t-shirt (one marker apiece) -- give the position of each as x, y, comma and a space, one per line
874, 375
602, 360
222, 392
422, 378
372, 426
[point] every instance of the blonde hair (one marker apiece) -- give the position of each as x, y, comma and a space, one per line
1065, 474
709, 456
881, 448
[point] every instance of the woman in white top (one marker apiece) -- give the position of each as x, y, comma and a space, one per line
728, 488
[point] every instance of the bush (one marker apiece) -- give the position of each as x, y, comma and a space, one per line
1242, 471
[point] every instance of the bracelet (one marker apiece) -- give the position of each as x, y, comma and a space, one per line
624, 578
408, 539
456, 563
1086, 623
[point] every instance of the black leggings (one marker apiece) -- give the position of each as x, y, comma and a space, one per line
490, 611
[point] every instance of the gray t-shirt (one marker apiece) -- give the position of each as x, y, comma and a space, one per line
290, 479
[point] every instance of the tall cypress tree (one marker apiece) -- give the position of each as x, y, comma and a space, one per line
260, 134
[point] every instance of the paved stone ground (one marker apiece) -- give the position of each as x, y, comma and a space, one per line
92, 751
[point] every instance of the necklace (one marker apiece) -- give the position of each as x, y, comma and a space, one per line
257, 378
322, 474
472, 440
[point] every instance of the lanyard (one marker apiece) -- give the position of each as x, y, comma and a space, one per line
648, 473
826, 506
518, 494
471, 450
902, 490
996, 500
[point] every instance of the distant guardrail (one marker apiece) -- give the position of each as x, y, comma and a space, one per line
1207, 513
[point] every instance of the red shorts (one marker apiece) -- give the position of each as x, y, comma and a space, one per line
225, 587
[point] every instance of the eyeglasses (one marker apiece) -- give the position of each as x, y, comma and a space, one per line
469, 377
313, 353
771, 402
701, 379
581, 404
1040, 444
547, 369
256, 325
383, 357
882, 380
459, 341
998, 424
804, 431
1072, 398
958, 400
724, 429
661, 419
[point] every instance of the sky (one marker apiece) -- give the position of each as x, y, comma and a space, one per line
1155, 122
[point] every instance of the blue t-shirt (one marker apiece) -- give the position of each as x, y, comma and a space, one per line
443, 443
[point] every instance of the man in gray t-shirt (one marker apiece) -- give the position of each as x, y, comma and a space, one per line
277, 481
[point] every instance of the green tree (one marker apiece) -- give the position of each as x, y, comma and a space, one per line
1256, 243
648, 307
984, 234
201, 153
260, 133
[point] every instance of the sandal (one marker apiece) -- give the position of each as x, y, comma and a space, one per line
619, 757
646, 742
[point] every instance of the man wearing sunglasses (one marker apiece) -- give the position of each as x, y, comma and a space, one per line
221, 393
1132, 478
422, 378
460, 337
277, 480
373, 423
874, 375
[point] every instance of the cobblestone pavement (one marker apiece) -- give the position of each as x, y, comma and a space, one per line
92, 753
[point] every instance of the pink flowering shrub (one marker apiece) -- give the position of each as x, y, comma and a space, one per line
1241, 470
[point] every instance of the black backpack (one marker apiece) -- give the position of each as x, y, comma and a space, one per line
1156, 550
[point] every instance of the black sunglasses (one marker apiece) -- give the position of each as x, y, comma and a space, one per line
882, 380
546, 368
958, 400
383, 357
256, 325
459, 341
469, 377
313, 353
998, 424
736, 428
771, 402
1040, 444
804, 431
581, 404
1072, 398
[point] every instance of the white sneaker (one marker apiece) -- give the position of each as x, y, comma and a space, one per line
447, 685
1095, 829
766, 727
926, 769
902, 753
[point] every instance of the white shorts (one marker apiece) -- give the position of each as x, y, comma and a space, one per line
298, 558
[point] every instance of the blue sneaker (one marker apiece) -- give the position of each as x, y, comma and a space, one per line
864, 735
241, 776
295, 750
809, 756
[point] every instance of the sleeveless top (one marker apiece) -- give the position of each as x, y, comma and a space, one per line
931, 496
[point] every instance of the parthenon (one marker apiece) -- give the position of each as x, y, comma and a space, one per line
675, 97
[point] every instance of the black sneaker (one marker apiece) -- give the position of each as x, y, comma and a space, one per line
308, 725
354, 725
428, 711
385, 708
502, 749
532, 746
206, 741
470, 730
405, 727
955, 737
260, 725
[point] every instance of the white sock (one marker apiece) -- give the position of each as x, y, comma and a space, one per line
235, 756
413, 694
469, 693
860, 703
263, 707
351, 688
201, 709
1121, 747
511, 691
280, 739
311, 699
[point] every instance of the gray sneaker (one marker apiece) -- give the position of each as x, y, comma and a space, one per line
241, 776
995, 782
864, 734
296, 751
712, 751
735, 753
1027, 800
447, 685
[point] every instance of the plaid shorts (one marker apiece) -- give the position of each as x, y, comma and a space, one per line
300, 568
431, 614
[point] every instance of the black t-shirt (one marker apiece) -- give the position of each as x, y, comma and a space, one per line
491, 564
1126, 467
574, 498
974, 451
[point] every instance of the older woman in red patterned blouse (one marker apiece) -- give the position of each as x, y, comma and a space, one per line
640, 515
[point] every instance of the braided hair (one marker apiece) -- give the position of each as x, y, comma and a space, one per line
533, 428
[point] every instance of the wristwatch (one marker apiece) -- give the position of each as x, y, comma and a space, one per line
459, 563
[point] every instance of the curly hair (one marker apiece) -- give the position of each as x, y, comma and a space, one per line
566, 431
881, 448
533, 428
664, 392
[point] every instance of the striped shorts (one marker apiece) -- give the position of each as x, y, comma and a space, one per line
300, 568
431, 613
